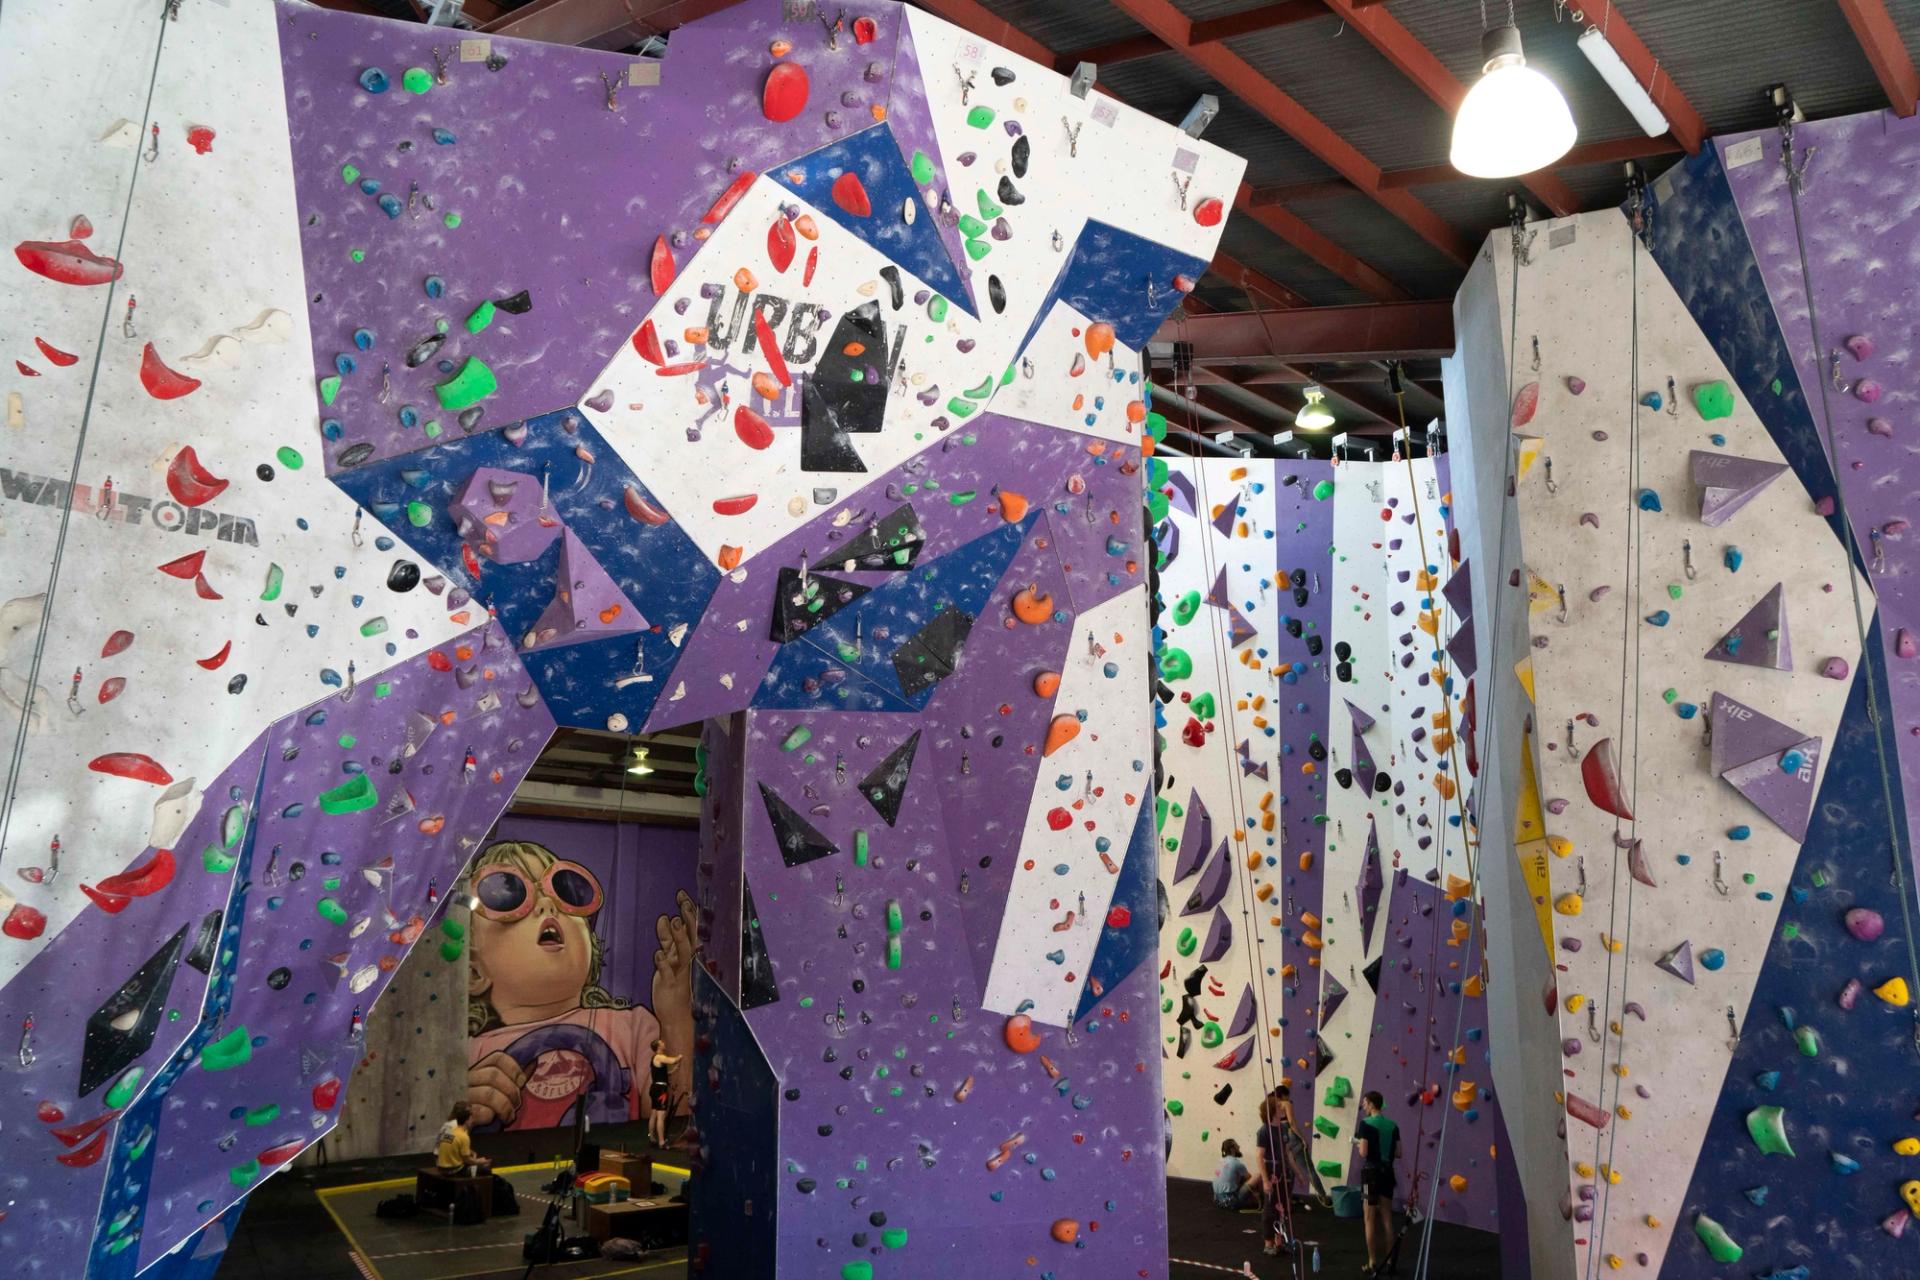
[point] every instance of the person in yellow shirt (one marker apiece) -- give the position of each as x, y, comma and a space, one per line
454, 1150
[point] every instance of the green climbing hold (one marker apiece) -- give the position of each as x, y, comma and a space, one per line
796, 738
1323, 490
978, 249
290, 457
1212, 1036
233, 825
937, 308
1715, 1237
216, 863
859, 1269
263, 1115
1185, 607
351, 796
1158, 506
474, 383
1325, 1126
1713, 400
960, 408
1157, 426
242, 1175
231, 1050
329, 388
1187, 941
1808, 1040
452, 220
349, 173
980, 117
331, 911
481, 316
922, 167
988, 209
358, 255
419, 514
123, 1088
1175, 1107
416, 80
971, 227
894, 1237
1176, 664
1202, 707
1330, 1168
275, 577
860, 847
980, 392
453, 928
450, 950
1767, 1126
373, 627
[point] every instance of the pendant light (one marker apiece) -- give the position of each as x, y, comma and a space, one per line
1514, 120
1314, 414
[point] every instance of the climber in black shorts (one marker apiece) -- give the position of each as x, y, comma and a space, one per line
659, 1091
1378, 1139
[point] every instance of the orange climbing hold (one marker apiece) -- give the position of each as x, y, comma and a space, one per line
1063, 730
1013, 506
1020, 1035
1099, 339
1066, 1230
1046, 683
1032, 606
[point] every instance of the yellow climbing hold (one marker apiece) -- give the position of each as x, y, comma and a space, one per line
1611, 943
1611, 1174
1584, 1169
1653, 1222
1910, 1192
1559, 846
1894, 992
1615, 1261
1568, 904
1907, 1147
1576, 1002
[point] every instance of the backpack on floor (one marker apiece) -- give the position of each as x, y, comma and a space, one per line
505, 1202
397, 1207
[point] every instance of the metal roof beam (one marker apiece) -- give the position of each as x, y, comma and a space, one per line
1428, 74
1273, 102
1385, 331
1241, 276
1880, 41
601, 24
1290, 227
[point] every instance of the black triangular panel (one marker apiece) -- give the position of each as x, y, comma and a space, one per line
892, 542
757, 985
206, 943
844, 394
886, 785
929, 655
1322, 1056
799, 842
798, 609
136, 1008
1372, 974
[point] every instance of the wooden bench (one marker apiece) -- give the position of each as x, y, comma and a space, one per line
436, 1191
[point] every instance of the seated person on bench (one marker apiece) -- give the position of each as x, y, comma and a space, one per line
453, 1153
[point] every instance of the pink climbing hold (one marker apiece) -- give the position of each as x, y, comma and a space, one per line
1880, 427
1525, 402
1903, 645
1576, 385
1865, 924
1861, 346
1602, 779
1867, 391
1823, 506
1835, 669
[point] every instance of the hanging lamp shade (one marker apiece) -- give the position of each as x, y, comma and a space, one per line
1514, 120
1314, 414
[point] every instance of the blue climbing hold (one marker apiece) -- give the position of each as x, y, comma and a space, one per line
1686, 710
1791, 761
1649, 500
1843, 1164
1768, 1080
344, 364
1713, 958
1660, 619
374, 80
1758, 1194
1651, 400
1739, 833
444, 137
390, 205
434, 286
363, 339
1733, 559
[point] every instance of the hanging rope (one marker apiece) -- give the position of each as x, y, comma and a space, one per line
1521, 240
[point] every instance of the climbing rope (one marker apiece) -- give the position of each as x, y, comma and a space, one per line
1521, 240
1796, 180
21, 734
1631, 568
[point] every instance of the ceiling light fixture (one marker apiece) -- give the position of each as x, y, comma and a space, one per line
1620, 78
640, 767
1514, 120
1314, 414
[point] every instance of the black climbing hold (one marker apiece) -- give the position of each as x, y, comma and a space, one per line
1382, 783
279, 978
1317, 749
996, 294
1344, 777
355, 454
799, 842
757, 984
1010, 194
112, 1042
1300, 596
1003, 76
793, 1095
805, 1186
1295, 628
931, 653
517, 304
886, 785
403, 576
470, 418
1372, 974
1314, 645
264, 471
1224, 1092
422, 351
1186, 1042
1022, 153
893, 542
237, 684
1343, 651
891, 274
839, 398
1344, 672
799, 609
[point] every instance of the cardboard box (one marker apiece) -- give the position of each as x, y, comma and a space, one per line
637, 1170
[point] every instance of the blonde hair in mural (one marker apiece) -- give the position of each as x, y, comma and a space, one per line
532, 860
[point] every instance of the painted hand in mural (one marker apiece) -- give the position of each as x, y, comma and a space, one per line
493, 1089
673, 988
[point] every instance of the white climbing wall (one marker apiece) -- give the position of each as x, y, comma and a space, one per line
1635, 622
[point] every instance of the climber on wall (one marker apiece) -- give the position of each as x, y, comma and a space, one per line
544, 1037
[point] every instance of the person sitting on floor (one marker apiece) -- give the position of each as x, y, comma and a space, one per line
1234, 1185
453, 1151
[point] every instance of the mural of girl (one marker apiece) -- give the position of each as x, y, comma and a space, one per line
544, 1036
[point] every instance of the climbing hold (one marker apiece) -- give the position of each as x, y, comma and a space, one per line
1651, 400
1713, 400
1602, 779
1903, 644
1020, 1034
1060, 732
1568, 904
784, 95
1678, 962
1066, 1230
1715, 1237
474, 383
1649, 500
1894, 992
1864, 923
416, 80
1835, 669
1576, 385
373, 80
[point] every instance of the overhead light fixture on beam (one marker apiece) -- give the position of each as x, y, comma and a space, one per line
1200, 115
1514, 120
1620, 78
640, 768
1314, 414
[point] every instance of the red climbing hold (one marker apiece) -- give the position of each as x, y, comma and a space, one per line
753, 430
204, 589
86, 1155
662, 267
770, 348
730, 197
111, 687
200, 138
55, 354
738, 505
785, 94
118, 642
647, 343
282, 1153
81, 227
217, 661
132, 765
26, 370
326, 1094
24, 923
851, 195
49, 1113
1209, 212
1526, 401
161, 382
865, 30
813, 260
191, 484
1602, 778
1058, 819
1119, 917
67, 261
643, 510
781, 243
185, 567
439, 661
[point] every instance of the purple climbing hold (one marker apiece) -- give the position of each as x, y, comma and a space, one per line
1576, 385
1865, 924
1678, 962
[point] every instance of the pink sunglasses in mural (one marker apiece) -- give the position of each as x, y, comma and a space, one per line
506, 896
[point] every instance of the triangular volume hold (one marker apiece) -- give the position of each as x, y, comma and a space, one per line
893, 542
123, 1027
587, 604
1219, 937
1459, 591
1239, 630
1217, 594
1332, 996
886, 786
846, 395
802, 602
1213, 883
1760, 638
932, 653
1728, 483
1741, 735
1372, 974
1223, 518
757, 984
1361, 720
1781, 786
1466, 660
799, 842
1367, 892
1196, 839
